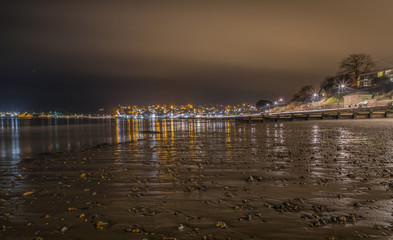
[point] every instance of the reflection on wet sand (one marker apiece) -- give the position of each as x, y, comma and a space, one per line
10, 129
218, 179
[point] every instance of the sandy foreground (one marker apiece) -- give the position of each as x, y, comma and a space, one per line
300, 180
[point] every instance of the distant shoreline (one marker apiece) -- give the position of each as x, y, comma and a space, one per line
339, 113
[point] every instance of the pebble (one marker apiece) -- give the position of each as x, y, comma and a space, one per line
180, 227
221, 224
63, 229
100, 225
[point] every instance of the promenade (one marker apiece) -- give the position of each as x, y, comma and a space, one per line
338, 113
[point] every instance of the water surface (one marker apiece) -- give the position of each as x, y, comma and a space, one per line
285, 180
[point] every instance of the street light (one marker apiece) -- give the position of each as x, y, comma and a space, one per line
316, 97
340, 89
277, 103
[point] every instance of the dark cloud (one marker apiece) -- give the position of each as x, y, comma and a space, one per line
101, 52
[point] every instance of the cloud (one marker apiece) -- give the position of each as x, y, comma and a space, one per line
274, 46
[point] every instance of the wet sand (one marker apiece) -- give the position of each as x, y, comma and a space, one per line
299, 180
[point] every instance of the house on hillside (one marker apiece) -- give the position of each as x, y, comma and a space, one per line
376, 78
322, 95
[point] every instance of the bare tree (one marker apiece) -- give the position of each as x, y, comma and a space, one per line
328, 83
303, 93
356, 64
262, 103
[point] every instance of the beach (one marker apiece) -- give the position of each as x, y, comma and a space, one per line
327, 179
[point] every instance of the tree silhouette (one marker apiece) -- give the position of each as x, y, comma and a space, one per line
262, 103
356, 64
302, 94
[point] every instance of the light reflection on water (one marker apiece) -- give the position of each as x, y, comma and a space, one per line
304, 151
24, 137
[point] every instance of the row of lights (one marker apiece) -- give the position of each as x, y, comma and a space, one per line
315, 95
275, 103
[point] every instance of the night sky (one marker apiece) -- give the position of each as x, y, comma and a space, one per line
76, 55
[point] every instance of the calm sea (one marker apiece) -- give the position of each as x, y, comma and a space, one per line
24, 137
